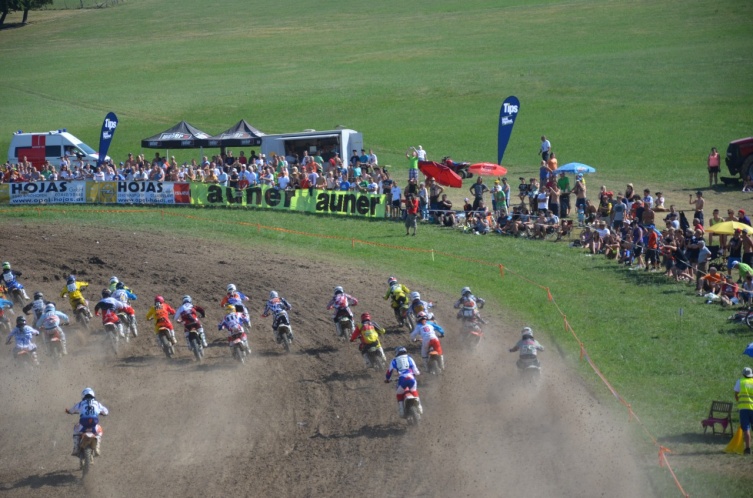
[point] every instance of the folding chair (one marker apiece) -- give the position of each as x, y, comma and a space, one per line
719, 413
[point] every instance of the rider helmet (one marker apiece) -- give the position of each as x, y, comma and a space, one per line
6, 265
230, 308
159, 299
231, 288
106, 293
414, 296
114, 280
422, 316
527, 333
400, 350
273, 295
49, 308
71, 279
339, 290
120, 285
87, 392
20, 321
466, 290
391, 281
365, 317
187, 299
38, 295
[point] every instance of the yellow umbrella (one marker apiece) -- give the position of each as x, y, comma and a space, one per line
729, 227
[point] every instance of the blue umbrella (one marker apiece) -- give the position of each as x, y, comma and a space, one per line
575, 168
749, 350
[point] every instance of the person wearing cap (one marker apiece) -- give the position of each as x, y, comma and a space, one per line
698, 204
744, 398
498, 197
742, 217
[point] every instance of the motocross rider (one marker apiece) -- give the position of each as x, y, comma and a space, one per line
123, 293
274, 305
110, 306
236, 298
49, 321
114, 284
417, 305
187, 315
74, 290
24, 335
468, 304
161, 312
428, 339
9, 280
398, 295
89, 410
528, 347
37, 305
369, 332
341, 302
5, 304
233, 323
406, 370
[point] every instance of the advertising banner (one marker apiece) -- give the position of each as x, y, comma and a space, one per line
105, 136
507, 114
265, 197
61, 192
152, 192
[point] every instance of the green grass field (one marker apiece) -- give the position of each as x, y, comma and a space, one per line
640, 90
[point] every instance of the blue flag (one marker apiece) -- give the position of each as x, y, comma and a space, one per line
507, 114
105, 137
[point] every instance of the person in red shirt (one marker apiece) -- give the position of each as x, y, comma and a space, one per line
411, 210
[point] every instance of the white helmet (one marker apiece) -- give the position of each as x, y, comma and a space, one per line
231, 288
114, 280
49, 308
527, 331
414, 295
187, 299
273, 295
87, 392
465, 290
339, 290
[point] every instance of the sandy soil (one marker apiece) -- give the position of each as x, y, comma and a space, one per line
309, 423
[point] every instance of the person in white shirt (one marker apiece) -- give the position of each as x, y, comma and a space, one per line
421, 153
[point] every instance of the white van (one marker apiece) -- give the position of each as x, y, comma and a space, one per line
49, 146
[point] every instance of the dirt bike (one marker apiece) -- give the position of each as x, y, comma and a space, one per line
239, 349
164, 338
83, 316
17, 296
344, 326
27, 359
284, 332
194, 341
472, 333
404, 316
128, 325
54, 345
435, 362
374, 354
529, 369
412, 411
87, 447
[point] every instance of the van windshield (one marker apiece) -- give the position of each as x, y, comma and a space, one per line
86, 148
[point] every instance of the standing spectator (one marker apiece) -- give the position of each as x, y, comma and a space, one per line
373, 160
704, 255
546, 148
478, 189
735, 248
618, 213
715, 218
413, 159
396, 196
552, 162
580, 192
698, 203
564, 185
744, 398
543, 173
713, 165
420, 153
499, 200
363, 161
506, 190
522, 190
423, 201
435, 190
411, 213
747, 248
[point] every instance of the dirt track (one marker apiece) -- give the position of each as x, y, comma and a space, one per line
312, 423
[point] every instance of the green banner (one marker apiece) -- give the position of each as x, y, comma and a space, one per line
266, 197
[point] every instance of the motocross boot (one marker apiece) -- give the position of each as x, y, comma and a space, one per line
120, 331
441, 362
203, 337
420, 407
63, 348
34, 358
366, 361
26, 296
173, 340
76, 440
381, 352
246, 346
97, 447
401, 409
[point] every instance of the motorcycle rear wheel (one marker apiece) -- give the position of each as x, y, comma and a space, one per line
198, 351
86, 461
413, 416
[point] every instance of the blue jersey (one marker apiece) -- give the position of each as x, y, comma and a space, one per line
404, 366
233, 322
89, 410
51, 320
23, 337
4, 303
9, 279
276, 305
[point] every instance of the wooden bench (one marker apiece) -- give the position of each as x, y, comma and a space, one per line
719, 413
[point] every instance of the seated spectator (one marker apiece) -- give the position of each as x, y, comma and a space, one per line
659, 203
467, 207
746, 293
712, 281
482, 225
728, 291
